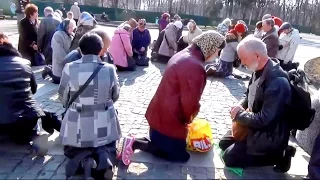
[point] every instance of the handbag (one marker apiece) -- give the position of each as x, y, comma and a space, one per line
130, 60
82, 88
239, 132
39, 59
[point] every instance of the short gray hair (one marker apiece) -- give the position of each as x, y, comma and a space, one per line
269, 21
254, 45
227, 22
48, 10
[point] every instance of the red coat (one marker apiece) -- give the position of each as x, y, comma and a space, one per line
176, 101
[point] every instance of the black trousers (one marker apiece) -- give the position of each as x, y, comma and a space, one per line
164, 147
21, 131
55, 79
235, 154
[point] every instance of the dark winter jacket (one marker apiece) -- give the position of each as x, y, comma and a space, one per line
17, 86
268, 130
28, 37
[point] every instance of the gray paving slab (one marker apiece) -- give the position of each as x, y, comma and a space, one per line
137, 89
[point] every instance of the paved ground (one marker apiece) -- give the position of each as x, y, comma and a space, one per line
137, 89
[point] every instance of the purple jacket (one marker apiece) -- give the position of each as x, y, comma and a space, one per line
140, 39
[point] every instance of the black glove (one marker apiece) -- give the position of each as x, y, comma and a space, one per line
280, 47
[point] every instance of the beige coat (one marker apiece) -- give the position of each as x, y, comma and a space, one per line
76, 11
191, 35
169, 43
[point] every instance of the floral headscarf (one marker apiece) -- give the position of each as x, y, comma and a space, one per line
209, 42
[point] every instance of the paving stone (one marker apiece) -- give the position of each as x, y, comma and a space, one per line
3, 176
29, 176
15, 176
52, 166
45, 175
22, 168
35, 169
58, 176
136, 93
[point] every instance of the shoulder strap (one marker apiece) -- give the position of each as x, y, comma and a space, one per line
123, 45
84, 86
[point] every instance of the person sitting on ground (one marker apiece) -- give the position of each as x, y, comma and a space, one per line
69, 15
47, 28
223, 27
19, 110
85, 24
60, 44
105, 17
168, 45
89, 133
262, 112
258, 30
121, 49
270, 37
104, 55
193, 32
289, 41
140, 42
169, 117
227, 56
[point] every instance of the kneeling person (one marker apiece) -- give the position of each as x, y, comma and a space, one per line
90, 126
262, 112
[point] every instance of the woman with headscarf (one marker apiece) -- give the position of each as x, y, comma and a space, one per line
85, 24
176, 102
223, 27
193, 32
60, 44
168, 45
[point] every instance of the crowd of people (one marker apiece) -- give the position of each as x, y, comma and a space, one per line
84, 61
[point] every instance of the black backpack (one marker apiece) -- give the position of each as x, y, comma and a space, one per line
300, 114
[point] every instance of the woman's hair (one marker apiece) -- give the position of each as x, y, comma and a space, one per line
126, 27
133, 23
259, 25
30, 9
60, 12
91, 43
3, 39
103, 34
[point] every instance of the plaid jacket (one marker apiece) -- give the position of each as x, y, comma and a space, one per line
91, 121
222, 29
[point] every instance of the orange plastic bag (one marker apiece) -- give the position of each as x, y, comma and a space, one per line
200, 138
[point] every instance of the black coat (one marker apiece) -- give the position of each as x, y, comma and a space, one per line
28, 36
268, 130
17, 86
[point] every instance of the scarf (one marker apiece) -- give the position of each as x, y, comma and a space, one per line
209, 42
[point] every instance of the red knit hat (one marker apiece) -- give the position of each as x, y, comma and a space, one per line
240, 28
277, 21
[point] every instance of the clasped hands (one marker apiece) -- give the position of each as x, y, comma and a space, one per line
234, 110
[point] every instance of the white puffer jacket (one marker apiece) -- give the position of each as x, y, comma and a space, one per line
290, 44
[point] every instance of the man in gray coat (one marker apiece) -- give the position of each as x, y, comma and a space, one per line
270, 37
46, 30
